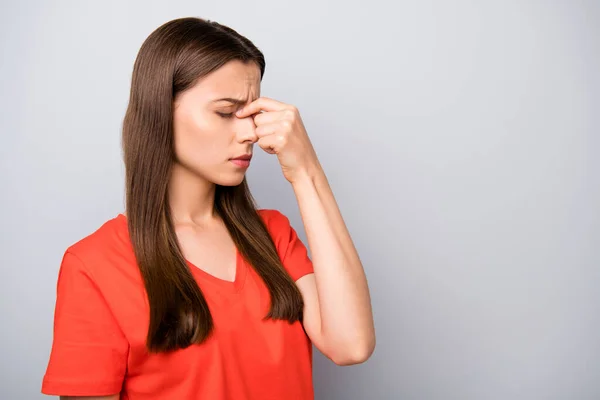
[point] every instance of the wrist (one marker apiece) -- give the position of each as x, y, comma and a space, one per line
307, 175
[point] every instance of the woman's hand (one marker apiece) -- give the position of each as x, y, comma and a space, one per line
280, 131
337, 315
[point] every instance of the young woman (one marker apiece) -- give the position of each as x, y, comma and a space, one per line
193, 293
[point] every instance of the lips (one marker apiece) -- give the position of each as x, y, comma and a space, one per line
245, 157
242, 161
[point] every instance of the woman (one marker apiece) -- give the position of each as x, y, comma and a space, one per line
193, 293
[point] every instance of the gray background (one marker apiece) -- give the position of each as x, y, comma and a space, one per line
459, 139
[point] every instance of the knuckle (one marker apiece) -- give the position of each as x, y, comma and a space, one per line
281, 139
290, 113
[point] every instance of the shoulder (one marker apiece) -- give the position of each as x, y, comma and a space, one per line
273, 218
97, 241
291, 250
280, 228
277, 223
94, 251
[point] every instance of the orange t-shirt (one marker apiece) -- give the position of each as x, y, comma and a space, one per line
102, 316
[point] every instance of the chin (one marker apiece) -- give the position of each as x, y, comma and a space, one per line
232, 180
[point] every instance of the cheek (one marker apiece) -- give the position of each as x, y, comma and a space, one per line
200, 140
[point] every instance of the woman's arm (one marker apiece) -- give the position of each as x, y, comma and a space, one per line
338, 316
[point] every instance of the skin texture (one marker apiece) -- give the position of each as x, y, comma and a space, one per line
337, 316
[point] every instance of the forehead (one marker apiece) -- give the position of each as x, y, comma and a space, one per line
235, 79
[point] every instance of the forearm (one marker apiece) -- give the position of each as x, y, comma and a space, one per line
344, 301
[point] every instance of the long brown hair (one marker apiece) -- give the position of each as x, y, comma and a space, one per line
171, 60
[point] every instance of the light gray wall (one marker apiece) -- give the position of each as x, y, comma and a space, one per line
459, 138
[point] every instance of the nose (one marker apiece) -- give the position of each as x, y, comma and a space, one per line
246, 130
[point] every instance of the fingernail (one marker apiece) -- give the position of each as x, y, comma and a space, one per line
240, 111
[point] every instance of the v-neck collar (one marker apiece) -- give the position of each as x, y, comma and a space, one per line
231, 286
234, 286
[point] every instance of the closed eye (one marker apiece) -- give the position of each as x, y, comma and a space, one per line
223, 115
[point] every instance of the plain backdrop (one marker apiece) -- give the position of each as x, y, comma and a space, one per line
460, 140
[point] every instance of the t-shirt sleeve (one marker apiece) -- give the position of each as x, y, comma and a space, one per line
89, 351
292, 251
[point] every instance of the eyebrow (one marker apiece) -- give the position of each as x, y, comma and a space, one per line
231, 100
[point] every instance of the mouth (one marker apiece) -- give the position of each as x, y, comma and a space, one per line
242, 161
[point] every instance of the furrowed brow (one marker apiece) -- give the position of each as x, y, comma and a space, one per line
237, 102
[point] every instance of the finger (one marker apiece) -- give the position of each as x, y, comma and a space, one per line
267, 129
269, 117
272, 144
262, 103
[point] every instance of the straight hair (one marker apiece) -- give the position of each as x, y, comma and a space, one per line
171, 60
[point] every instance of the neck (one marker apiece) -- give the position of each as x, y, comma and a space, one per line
191, 197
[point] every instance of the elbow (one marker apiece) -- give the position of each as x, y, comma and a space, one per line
352, 355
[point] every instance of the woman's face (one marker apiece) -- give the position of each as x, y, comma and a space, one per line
208, 135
